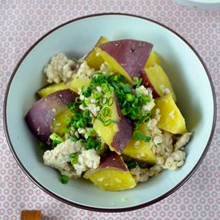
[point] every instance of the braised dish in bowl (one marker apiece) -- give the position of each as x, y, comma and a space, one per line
124, 131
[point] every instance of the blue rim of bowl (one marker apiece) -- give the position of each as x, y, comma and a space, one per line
90, 208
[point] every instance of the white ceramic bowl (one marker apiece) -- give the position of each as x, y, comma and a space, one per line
189, 77
201, 4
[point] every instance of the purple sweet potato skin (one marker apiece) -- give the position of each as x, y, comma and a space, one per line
132, 55
124, 134
112, 160
40, 117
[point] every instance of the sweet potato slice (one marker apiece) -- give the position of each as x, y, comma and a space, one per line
77, 83
156, 78
59, 123
117, 133
152, 60
171, 119
126, 57
40, 117
140, 150
112, 174
51, 88
93, 59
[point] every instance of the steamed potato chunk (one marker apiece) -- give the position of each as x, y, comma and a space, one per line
126, 57
77, 83
140, 150
152, 60
112, 174
60, 121
171, 119
94, 61
158, 80
42, 114
51, 89
118, 132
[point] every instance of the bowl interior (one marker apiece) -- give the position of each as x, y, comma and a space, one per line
188, 77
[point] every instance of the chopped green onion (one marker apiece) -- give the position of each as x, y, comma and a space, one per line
98, 146
104, 101
105, 87
131, 164
146, 99
64, 179
106, 112
110, 101
96, 95
129, 97
87, 92
65, 130
90, 143
78, 100
90, 132
81, 123
86, 114
77, 116
108, 122
110, 69
71, 106
137, 81
67, 121
126, 88
73, 138
124, 111
43, 146
137, 135
56, 139
73, 158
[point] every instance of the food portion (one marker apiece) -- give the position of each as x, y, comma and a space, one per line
41, 116
157, 79
119, 132
126, 57
171, 119
112, 174
109, 117
93, 59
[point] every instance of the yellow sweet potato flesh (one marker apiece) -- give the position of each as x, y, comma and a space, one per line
171, 119
77, 83
107, 132
59, 124
159, 80
142, 151
114, 64
152, 60
94, 61
111, 179
51, 89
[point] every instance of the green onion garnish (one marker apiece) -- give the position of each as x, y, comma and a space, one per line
137, 81
65, 130
56, 139
131, 164
73, 158
43, 146
110, 101
104, 101
67, 121
71, 106
77, 116
126, 88
78, 100
64, 179
106, 112
129, 97
137, 135
73, 138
